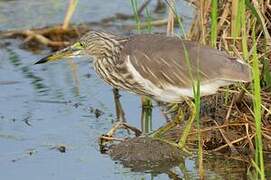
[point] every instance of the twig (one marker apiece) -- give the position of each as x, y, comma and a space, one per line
156, 23
232, 142
248, 137
69, 13
170, 23
224, 16
43, 40
143, 6
241, 95
229, 112
217, 127
112, 138
233, 149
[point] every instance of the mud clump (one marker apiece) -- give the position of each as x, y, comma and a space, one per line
146, 153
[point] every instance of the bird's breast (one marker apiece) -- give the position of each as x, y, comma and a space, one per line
117, 75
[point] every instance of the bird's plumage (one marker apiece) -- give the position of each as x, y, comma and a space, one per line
162, 60
156, 65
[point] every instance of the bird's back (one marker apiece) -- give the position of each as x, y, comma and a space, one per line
168, 65
167, 55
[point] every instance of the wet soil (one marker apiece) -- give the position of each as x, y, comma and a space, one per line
145, 153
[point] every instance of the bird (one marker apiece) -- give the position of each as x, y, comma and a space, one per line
161, 67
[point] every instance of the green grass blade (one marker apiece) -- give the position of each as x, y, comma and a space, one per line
214, 23
266, 73
257, 107
197, 118
244, 29
134, 4
235, 21
258, 170
149, 20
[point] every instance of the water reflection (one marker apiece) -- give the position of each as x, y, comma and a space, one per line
75, 78
217, 167
36, 81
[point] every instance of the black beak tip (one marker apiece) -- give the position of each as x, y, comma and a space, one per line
41, 61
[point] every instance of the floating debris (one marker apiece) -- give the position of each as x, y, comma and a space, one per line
61, 148
97, 112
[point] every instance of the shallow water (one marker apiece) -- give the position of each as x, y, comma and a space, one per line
45, 106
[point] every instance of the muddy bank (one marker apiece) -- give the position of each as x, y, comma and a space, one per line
145, 153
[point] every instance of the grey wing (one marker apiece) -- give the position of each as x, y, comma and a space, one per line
162, 61
158, 70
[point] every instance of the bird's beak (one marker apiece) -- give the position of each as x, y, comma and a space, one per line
74, 50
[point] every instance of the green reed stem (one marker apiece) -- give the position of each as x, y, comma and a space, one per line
214, 23
257, 108
146, 115
242, 5
149, 20
235, 21
197, 117
196, 91
134, 4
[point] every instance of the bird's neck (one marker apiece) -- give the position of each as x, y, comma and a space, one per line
112, 52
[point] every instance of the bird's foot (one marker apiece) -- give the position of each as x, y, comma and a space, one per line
181, 141
123, 125
169, 125
109, 136
177, 145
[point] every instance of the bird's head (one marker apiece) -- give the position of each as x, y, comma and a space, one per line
95, 44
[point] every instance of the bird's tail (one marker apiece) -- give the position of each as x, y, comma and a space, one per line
238, 71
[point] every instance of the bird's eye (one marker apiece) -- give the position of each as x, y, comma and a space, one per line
81, 44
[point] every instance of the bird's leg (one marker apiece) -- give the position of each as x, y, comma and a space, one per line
169, 110
188, 125
176, 121
171, 124
121, 121
146, 115
119, 111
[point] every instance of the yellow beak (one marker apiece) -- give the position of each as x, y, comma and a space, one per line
68, 52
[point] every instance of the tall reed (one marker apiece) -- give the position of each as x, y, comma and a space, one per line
245, 5
70, 11
257, 108
196, 93
134, 4
214, 9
